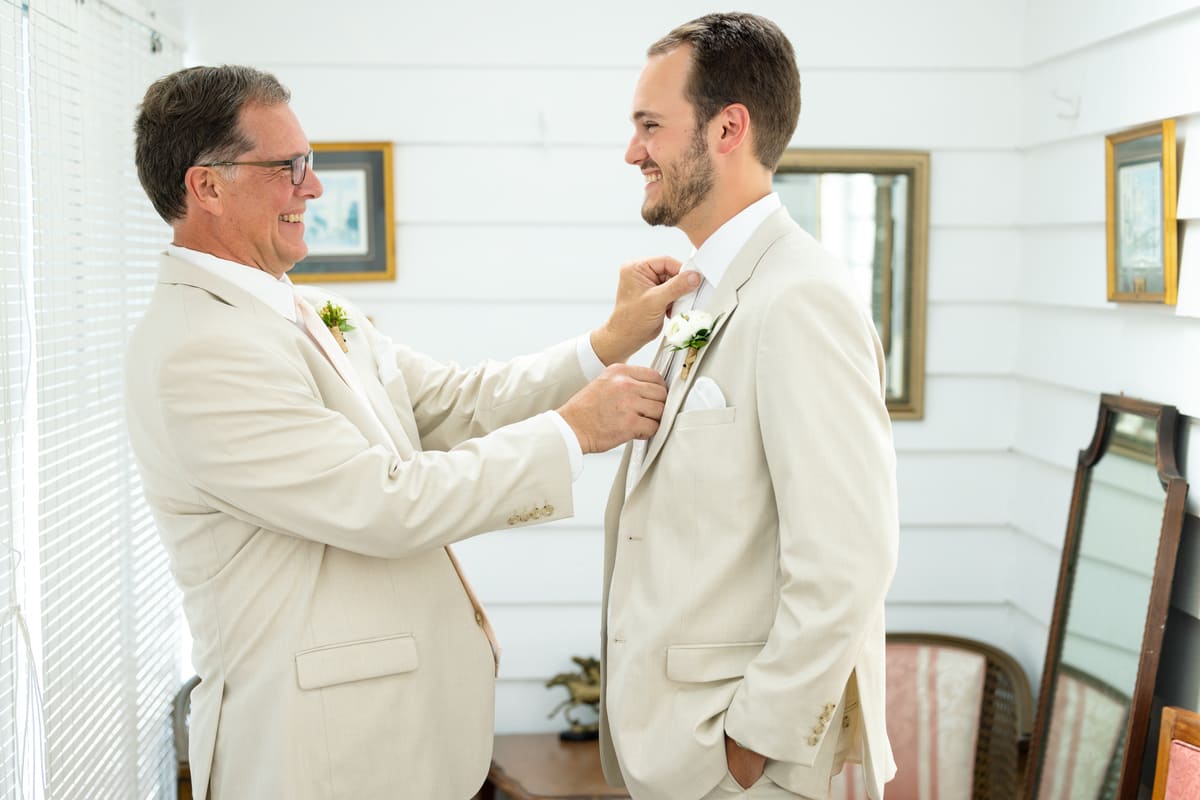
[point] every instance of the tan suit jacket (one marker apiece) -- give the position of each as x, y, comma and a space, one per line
338, 653
745, 572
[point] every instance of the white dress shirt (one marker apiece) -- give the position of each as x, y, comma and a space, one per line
715, 255
279, 294
711, 260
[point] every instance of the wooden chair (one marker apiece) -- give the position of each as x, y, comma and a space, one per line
1177, 773
959, 714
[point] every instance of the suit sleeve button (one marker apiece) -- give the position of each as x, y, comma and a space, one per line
814, 740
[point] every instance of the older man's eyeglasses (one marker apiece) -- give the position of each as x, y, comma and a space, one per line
300, 165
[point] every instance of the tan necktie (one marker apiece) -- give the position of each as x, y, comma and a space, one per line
319, 333
665, 365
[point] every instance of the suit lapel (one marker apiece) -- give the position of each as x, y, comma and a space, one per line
385, 422
724, 304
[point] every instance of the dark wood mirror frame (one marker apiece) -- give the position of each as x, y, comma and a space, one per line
1167, 430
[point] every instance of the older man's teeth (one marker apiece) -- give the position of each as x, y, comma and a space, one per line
654, 177
292, 217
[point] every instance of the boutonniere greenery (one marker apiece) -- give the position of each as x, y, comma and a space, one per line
690, 331
338, 323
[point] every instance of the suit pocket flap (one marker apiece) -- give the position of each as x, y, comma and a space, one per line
699, 663
356, 661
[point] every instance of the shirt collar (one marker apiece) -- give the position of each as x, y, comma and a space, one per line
276, 293
718, 250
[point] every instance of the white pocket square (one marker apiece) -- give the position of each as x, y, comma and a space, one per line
704, 394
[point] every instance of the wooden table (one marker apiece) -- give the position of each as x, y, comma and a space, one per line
538, 766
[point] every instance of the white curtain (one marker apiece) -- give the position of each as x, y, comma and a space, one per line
81, 560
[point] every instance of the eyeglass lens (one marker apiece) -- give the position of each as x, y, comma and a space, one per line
300, 167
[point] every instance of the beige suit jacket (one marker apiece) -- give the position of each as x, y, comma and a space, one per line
338, 653
745, 572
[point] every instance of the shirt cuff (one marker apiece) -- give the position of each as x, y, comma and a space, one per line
589, 362
574, 451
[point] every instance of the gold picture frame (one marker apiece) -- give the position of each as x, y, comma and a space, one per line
1140, 193
350, 229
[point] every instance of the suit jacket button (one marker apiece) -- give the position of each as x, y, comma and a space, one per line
818, 729
814, 740
845, 722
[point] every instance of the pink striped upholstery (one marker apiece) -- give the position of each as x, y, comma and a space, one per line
1183, 772
934, 696
1086, 724
1177, 768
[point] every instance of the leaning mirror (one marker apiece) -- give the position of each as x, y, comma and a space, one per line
871, 208
1114, 586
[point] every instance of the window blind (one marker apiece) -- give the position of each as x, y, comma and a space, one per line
20, 751
102, 605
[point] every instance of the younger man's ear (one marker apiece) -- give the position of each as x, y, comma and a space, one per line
734, 122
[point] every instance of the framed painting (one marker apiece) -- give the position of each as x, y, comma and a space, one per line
1143, 261
350, 228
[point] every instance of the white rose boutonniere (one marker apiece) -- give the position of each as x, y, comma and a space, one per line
690, 331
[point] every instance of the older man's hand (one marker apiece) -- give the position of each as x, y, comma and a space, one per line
624, 403
645, 291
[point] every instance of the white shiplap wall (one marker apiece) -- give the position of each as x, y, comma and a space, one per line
514, 208
1089, 73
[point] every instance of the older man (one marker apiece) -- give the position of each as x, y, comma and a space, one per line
305, 494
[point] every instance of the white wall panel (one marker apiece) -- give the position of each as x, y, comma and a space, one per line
986, 622
1064, 265
1034, 578
952, 566
938, 109
523, 706
522, 184
975, 340
468, 104
1055, 422
1055, 27
954, 489
527, 262
970, 34
540, 565
962, 413
539, 640
974, 188
1141, 76
1135, 350
974, 264
1063, 184
483, 105
1041, 499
